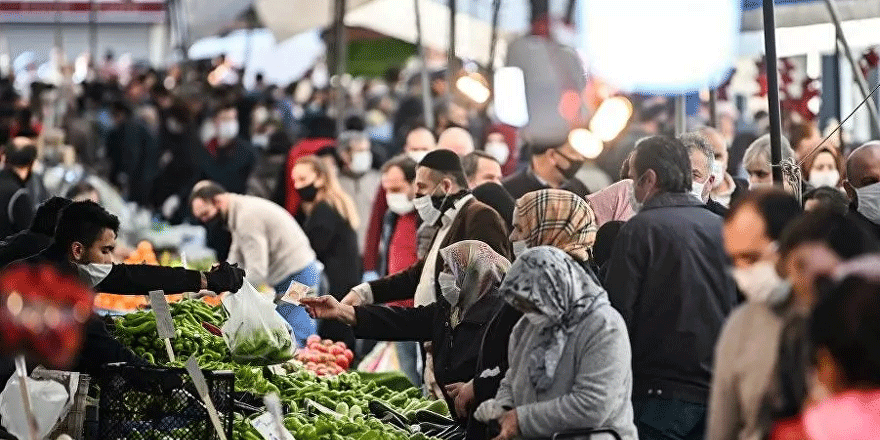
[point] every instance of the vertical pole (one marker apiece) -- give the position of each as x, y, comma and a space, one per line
341, 55
773, 92
451, 61
680, 115
838, 88
857, 71
496, 7
713, 108
93, 31
427, 105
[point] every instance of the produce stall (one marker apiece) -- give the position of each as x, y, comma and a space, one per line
319, 398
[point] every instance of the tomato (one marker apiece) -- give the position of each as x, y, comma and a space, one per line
318, 348
342, 361
313, 338
336, 350
311, 365
341, 344
327, 342
349, 354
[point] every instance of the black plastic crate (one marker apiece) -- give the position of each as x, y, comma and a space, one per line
146, 403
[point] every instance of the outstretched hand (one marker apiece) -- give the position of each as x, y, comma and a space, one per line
327, 307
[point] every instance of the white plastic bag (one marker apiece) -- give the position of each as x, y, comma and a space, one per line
255, 332
49, 400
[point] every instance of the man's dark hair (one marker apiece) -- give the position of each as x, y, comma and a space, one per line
846, 322
829, 198
206, 190
405, 163
777, 207
669, 159
83, 222
845, 236
470, 162
79, 189
46, 218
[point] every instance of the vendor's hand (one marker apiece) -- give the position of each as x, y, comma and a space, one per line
327, 307
224, 277
509, 426
352, 299
463, 395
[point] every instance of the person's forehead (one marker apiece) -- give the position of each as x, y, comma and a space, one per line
107, 238
423, 174
393, 176
486, 165
865, 163
303, 170
495, 137
746, 231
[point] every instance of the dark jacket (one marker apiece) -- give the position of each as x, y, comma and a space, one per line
229, 166
741, 188
666, 277
134, 156
716, 207
16, 207
854, 214
455, 350
475, 221
335, 245
22, 245
498, 199
524, 181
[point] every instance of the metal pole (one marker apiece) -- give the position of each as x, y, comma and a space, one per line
772, 92
341, 55
427, 105
857, 71
713, 108
680, 115
839, 90
496, 7
93, 30
451, 61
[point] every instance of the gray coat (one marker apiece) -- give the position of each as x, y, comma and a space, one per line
592, 384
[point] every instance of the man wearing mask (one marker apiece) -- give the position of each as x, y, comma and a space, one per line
702, 161
357, 177
551, 167
666, 277
179, 144
266, 241
726, 189
18, 209
442, 199
134, 154
862, 184
227, 158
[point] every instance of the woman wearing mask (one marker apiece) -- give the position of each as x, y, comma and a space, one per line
549, 217
824, 168
569, 357
329, 222
469, 287
756, 161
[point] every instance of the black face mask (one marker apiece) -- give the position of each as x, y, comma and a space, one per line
23, 157
573, 166
215, 223
444, 202
308, 193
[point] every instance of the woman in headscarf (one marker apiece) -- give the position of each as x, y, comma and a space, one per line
469, 287
569, 357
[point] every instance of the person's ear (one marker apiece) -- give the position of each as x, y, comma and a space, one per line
77, 250
650, 177
850, 191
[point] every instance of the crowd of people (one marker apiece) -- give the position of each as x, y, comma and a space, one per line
663, 290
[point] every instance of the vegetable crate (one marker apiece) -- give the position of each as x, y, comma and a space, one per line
146, 403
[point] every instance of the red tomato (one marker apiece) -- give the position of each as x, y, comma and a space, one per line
327, 342
311, 365
349, 354
342, 361
313, 338
341, 344
336, 350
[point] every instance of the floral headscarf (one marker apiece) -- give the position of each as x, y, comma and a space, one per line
548, 280
555, 217
477, 270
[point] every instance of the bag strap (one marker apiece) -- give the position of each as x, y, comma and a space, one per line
12, 200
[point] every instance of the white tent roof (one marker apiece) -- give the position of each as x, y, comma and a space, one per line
806, 12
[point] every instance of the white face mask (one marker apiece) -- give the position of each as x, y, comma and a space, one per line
757, 281
697, 189
260, 140
868, 198
718, 172
519, 246
399, 203
824, 178
417, 155
635, 204
760, 185
448, 288
499, 151
361, 162
539, 320
227, 130
426, 209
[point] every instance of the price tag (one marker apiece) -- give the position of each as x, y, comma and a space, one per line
195, 373
164, 323
296, 292
266, 426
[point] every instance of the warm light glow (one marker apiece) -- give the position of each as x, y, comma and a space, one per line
611, 118
585, 143
473, 88
510, 96
14, 303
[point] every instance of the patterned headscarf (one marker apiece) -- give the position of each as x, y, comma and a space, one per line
478, 271
558, 218
547, 279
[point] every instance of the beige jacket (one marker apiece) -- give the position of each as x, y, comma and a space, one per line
266, 241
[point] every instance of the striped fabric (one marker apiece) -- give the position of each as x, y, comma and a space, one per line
557, 218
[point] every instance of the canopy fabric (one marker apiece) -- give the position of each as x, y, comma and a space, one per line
791, 13
205, 18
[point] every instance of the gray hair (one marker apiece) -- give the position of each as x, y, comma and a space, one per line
759, 151
349, 137
695, 141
